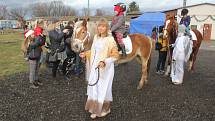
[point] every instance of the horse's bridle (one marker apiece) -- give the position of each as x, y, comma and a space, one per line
97, 68
173, 28
81, 41
86, 37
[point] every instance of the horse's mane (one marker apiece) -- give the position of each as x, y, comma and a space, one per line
78, 24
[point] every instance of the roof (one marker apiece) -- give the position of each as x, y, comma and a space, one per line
190, 6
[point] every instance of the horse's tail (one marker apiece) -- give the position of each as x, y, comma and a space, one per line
199, 37
149, 58
148, 64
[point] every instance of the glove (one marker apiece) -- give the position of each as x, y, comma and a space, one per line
173, 60
171, 45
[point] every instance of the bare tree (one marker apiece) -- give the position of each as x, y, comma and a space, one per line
40, 10
3, 12
57, 8
18, 14
99, 12
54, 8
84, 12
69, 11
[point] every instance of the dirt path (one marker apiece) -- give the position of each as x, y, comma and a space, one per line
160, 100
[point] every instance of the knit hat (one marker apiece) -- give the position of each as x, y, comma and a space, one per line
122, 7
28, 33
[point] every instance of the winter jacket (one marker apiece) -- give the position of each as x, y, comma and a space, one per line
34, 49
56, 37
118, 24
185, 21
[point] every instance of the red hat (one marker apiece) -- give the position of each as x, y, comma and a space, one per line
38, 31
117, 8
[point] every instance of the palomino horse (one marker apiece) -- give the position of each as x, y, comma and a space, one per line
141, 49
170, 32
83, 34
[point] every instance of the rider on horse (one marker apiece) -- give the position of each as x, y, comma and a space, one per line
185, 20
118, 25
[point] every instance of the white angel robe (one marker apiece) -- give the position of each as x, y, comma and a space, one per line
101, 93
181, 54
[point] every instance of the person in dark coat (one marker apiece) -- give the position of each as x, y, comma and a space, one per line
33, 46
56, 37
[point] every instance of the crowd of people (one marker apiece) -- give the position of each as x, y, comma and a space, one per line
100, 58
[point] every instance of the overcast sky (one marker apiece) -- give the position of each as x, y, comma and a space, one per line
145, 5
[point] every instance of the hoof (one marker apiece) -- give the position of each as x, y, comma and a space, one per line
140, 86
146, 81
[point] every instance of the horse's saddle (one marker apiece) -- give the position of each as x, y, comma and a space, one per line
128, 45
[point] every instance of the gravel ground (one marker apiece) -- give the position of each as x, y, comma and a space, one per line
63, 100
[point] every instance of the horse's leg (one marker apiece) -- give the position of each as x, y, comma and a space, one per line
194, 58
168, 69
168, 66
138, 58
190, 62
144, 75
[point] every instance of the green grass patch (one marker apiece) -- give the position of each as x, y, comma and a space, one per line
11, 57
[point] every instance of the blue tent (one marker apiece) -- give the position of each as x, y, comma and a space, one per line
146, 22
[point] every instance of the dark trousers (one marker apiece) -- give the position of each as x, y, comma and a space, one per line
55, 67
77, 64
161, 60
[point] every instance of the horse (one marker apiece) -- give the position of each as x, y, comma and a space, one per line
141, 48
170, 32
83, 35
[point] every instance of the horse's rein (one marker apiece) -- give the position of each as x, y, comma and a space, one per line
97, 78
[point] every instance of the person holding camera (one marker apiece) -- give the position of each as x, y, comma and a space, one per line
32, 47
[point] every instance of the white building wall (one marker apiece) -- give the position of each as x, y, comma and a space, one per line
201, 12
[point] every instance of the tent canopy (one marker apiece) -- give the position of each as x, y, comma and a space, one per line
146, 22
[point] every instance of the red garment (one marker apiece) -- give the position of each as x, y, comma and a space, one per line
25, 33
38, 31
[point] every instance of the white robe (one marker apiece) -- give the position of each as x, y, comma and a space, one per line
102, 91
181, 54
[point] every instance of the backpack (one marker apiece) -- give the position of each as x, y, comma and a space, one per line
34, 53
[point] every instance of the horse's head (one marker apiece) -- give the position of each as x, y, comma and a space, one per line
80, 36
83, 34
170, 30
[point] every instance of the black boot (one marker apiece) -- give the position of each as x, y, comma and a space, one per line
123, 51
